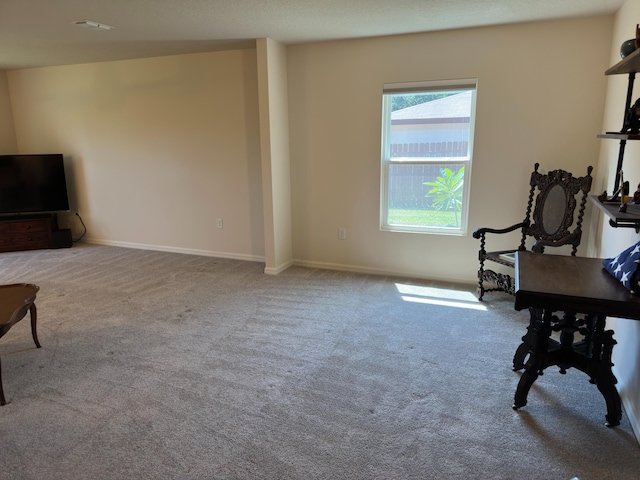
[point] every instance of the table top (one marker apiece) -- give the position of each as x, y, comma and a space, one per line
566, 283
14, 300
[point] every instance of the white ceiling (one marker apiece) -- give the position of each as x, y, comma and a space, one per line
39, 33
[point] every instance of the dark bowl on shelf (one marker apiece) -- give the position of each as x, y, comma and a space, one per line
627, 47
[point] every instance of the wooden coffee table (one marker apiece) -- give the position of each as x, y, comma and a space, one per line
15, 301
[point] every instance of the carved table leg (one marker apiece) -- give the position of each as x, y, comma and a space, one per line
527, 342
567, 326
540, 332
604, 377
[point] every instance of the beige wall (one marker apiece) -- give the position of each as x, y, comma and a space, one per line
276, 167
611, 241
8, 145
156, 149
540, 99
160, 148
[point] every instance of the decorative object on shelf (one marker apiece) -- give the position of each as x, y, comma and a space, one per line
632, 119
624, 267
627, 47
636, 196
603, 197
623, 205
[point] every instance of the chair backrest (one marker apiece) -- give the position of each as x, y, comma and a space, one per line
559, 193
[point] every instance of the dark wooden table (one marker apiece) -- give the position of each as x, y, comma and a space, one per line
570, 295
15, 301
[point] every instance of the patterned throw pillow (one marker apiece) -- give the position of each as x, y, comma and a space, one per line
624, 266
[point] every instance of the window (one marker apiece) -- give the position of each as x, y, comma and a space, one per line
427, 140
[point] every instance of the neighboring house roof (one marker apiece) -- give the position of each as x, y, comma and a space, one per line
454, 108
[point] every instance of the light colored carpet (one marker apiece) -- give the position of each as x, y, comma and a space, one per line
160, 365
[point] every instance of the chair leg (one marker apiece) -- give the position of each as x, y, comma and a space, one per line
34, 316
480, 289
2, 400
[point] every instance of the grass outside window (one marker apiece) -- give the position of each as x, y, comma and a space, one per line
420, 217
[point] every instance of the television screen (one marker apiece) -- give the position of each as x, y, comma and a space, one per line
32, 183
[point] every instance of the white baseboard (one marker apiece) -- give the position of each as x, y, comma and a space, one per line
631, 410
281, 268
380, 271
188, 251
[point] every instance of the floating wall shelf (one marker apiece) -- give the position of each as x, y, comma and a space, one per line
618, 219
610, 205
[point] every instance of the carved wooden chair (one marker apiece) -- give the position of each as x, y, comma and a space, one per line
558, 195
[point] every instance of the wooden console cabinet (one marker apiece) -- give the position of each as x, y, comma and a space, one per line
32, 232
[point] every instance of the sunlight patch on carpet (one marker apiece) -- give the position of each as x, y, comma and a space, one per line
439, 296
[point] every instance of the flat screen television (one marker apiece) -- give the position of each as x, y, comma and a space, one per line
32, 184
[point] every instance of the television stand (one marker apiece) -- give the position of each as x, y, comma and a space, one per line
32, 232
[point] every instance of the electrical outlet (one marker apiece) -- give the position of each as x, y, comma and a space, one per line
342, 233
219, 223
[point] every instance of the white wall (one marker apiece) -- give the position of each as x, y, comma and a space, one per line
8, 145
155, 149
611, 241
540, 99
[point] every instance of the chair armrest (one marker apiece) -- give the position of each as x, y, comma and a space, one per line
480, 232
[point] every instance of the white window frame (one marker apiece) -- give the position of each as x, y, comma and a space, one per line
386, 161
